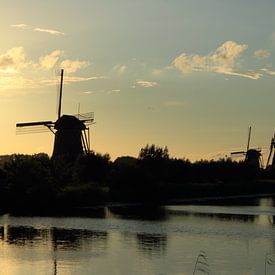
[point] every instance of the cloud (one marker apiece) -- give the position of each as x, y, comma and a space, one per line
9, 82
16, 83
71, 66
49, 31
114, 91
37, 29
49, 61
69, 79
13, 60
247, 74
88, 92
146, 84
267, 71
261, 54
120, 68
223, 61
16, 69
20, 26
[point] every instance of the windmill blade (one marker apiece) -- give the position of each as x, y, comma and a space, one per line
60, 95
34, 127
272, 144
86, 118
31, 129
249, 136
37, 123
238, 153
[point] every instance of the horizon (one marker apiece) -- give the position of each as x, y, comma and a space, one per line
153, 73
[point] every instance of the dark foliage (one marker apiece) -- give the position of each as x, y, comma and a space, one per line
28, 180
38, 181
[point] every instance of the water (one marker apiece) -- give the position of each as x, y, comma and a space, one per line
232, 239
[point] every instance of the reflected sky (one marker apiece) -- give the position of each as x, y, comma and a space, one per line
142, 240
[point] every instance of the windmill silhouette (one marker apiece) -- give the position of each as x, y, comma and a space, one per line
72, 134
271, 153
253, 157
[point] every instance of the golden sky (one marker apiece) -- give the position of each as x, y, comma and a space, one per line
192, 75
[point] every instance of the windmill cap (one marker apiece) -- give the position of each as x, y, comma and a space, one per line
67, 122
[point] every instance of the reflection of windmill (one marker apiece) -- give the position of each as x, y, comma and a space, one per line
271, 153
252, 156
72, 136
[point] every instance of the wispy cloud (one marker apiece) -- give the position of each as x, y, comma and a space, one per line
146, 84
37, 29
20, 26
9, 82
223, 61
120, 68
269, 72
261, 54
15, 83
246, 74
71, 66
114, 91
49, 31
69, 79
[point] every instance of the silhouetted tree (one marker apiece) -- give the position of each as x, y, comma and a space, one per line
153, 152
29, 180
92, 167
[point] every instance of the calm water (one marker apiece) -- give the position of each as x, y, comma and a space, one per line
235, 239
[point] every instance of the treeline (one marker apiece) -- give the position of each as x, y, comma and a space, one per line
36, 181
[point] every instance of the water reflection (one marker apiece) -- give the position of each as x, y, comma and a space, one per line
59, 238
73, 239
265, 203
141, 240
21, 235
152, 244
259, 211
217, 216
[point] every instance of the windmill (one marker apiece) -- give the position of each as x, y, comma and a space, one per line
252, 156
72, 134
271, 153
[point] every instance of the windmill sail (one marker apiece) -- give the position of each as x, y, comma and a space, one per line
34, 127
72, 136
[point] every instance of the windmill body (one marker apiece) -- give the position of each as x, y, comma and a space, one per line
68, 141
71, 132
253, 157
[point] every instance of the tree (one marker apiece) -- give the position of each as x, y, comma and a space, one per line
153, 152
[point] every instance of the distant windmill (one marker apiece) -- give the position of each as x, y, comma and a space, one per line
252, 156
271, 153
72, 135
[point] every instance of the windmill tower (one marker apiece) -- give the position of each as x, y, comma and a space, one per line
72, 134
271, 153
252, 156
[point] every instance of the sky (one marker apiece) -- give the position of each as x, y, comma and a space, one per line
189, 75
